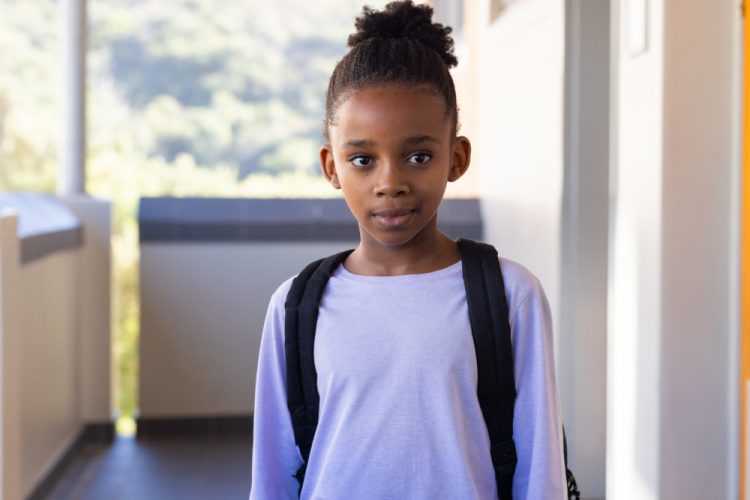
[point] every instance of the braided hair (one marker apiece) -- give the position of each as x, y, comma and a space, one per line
398, 45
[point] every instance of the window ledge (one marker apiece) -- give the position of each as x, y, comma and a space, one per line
170, 219
45, 224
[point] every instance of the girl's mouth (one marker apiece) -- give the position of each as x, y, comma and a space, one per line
394, 218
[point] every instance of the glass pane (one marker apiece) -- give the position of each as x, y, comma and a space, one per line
202, 98
28, 95
218, 98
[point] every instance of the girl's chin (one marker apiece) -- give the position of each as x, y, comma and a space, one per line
391, 240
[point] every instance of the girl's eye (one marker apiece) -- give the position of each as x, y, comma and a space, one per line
361, 161
419, 158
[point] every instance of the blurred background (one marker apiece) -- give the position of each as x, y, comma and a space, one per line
159, 179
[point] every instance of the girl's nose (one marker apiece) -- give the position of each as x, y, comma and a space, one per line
391, 182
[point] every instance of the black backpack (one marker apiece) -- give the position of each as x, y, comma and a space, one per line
488, 315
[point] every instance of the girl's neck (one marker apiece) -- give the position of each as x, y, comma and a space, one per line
421, 255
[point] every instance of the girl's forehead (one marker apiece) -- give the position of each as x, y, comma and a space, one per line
390, 107
381, 91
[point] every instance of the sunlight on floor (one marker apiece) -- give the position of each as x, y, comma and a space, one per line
125, 426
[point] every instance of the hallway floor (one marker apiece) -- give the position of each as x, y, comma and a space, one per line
182, 467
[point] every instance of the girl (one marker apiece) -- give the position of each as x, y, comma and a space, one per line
399, 416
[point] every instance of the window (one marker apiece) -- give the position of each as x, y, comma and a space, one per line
211, 98
28, 95
203, 98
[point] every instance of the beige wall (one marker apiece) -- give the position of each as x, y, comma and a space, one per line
10, 362
202, 312
50, 415
40, 399
699, 254
94, 274
54, 333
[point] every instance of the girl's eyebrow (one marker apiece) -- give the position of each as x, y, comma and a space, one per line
359, 143
419, 139
412, 141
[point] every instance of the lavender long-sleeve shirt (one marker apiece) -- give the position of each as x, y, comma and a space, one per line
397, 377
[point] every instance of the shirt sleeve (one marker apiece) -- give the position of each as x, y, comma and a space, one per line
276, 457
537, 425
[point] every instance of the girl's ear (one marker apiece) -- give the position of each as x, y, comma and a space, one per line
461, 158
328, 166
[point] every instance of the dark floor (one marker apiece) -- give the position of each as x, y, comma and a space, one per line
173, 467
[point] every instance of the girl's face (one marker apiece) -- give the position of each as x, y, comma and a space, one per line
392, 152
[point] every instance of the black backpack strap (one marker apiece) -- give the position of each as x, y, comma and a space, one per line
300, 322
488, 314
573, 492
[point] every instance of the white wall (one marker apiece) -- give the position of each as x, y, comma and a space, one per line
635, 264
519, 159
672, 265
582, 331
202, 312
545, 202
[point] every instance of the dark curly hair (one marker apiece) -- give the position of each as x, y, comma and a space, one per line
400, 45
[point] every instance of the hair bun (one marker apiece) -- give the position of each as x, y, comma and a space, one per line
403, 19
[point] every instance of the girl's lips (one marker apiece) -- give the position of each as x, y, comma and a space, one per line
394, 218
